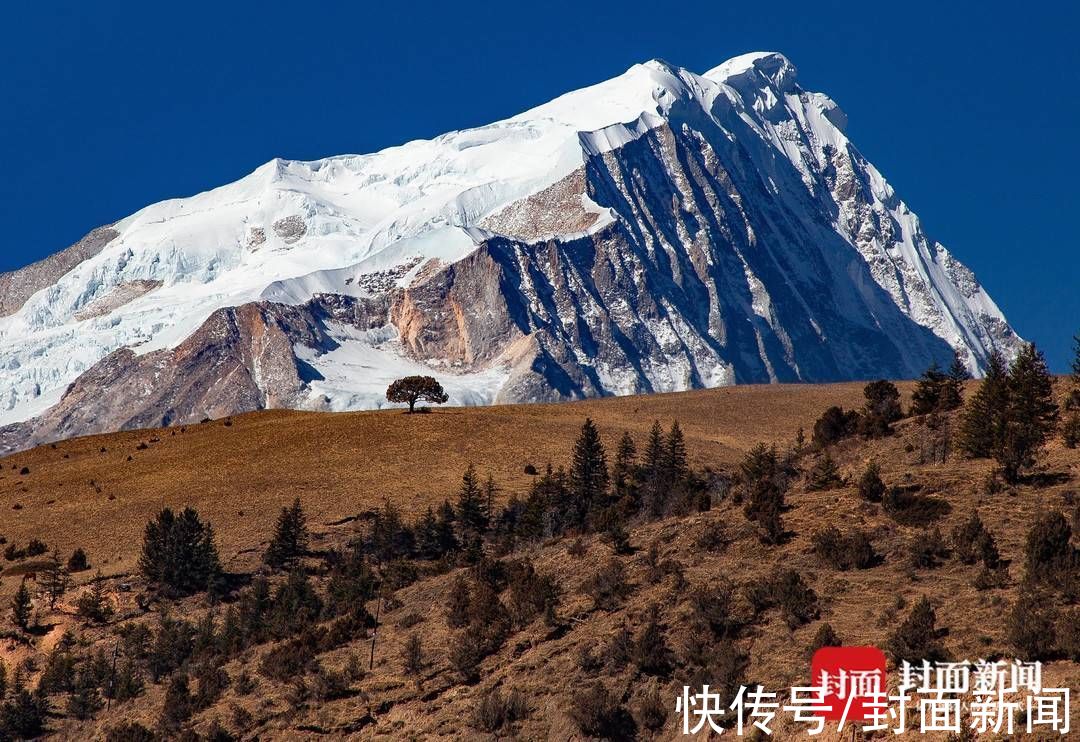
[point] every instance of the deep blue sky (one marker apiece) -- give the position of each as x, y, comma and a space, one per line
972, 113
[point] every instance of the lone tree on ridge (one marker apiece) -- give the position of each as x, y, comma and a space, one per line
412, 389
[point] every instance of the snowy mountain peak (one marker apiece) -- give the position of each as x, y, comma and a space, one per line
657, 231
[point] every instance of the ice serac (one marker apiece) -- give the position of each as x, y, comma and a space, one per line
660, 231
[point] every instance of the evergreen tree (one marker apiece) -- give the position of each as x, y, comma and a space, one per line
983, 422
1030, 413
871, 487
917, 639
652, 470
93, 605
471, 514
21, 606
54, 581
445, 528
588, 474
179, 554
78, 562
622, 473
23, 716
825, 475
390, 538
952, 391
881, 410
762, 486
85, 700
927, 396
675, 460
290, 539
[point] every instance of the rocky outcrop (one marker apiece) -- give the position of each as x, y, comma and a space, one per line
18, 286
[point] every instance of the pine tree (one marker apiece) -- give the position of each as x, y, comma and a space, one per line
983, 422
652, 470
622, 473
290, 539
85, 700
55, 581
881, 410
78, 562
675, 460
21, 606
952, 391
588, 474
471, 514
93, 605
916, 639
179, 554
927, 396
1030, 415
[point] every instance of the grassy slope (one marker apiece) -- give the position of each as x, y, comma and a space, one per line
343, 464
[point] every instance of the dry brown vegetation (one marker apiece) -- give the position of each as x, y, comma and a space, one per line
239, 475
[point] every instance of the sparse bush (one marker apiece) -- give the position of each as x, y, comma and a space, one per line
844, 551
412, 655
825, 636
825, 475
78, 562
912, 509
650, 653
1070, 430
834, 425
1030, 625
93, 606
927, 550
531, 594
290, 659
871, 488
328, 685
599, 713
494, 710
36, 547
917, 637
713, 537
968, 539
178, 706
714, 610
786, 590
129, 731
608, 586
650, 711
457, 609
1068, 634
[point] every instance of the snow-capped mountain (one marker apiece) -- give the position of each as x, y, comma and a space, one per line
659, 231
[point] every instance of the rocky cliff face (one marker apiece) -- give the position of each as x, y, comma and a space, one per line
657, 232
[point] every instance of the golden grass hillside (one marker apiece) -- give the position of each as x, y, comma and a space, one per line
98, 492
239, 474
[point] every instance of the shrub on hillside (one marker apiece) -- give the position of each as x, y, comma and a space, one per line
1049, 556
927, 549
825, 636
825, 474
917, 637
494, 710
881, 410
834, 425
852, 550
598, 712
608, 586
871, 488
78, 562
787, 591
1030, 625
